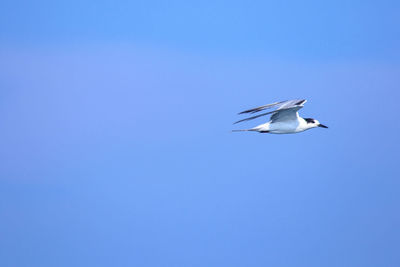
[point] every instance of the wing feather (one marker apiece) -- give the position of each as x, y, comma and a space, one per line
254, 117
257, 109
286, 114
284, 108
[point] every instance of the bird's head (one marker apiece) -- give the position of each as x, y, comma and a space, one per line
312, 123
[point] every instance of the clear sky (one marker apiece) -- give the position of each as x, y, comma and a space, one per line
116, 150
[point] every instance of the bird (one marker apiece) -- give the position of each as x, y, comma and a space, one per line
285, 118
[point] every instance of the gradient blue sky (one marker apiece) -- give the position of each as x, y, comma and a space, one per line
115, 139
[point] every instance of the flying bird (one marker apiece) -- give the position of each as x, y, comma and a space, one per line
285, 118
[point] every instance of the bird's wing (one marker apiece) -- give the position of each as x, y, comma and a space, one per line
279, 105
286, 114
284, 106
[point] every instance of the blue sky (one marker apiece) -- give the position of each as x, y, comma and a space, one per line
116, 142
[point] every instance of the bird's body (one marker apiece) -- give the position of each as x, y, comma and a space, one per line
284, 120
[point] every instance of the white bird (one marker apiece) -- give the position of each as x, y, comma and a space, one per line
284, 120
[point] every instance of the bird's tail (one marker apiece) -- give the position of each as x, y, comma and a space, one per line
243, 130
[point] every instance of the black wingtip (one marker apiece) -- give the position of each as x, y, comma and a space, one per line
238, 121
246, 111
301, 102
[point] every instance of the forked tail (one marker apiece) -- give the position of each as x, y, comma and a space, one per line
244, 130
251, 130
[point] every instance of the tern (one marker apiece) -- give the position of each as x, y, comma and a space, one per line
285, 118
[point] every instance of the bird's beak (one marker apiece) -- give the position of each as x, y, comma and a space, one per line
323, 126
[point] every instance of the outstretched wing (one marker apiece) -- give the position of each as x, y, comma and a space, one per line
286, 114
283, 109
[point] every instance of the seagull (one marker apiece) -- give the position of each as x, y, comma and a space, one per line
285, 118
